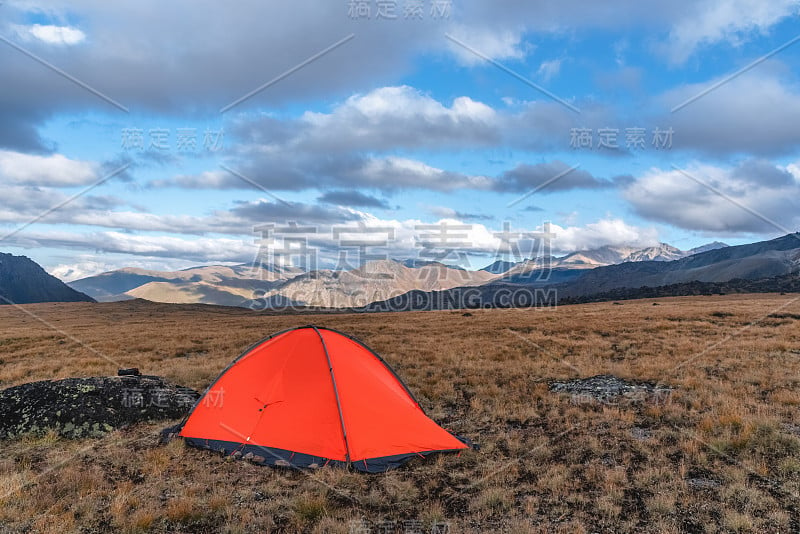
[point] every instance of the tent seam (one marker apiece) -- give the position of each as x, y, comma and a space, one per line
335, 393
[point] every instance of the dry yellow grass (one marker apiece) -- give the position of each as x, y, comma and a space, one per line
720, 454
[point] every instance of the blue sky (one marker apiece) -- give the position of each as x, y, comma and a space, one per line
395, 123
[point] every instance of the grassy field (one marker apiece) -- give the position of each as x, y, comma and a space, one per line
720, 454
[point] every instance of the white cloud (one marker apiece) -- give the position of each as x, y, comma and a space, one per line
201, 249
605, 232
549, 69
725, 20
390, 117
164, 63
794, 169
356, 143
493, 43
753, 198
474, 239
24, 204
54, 170
50, 34
395, 172
569, 218
755, 113
85, 265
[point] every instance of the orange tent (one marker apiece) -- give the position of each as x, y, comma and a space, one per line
308, 397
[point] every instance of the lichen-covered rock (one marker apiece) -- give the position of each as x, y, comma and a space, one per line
609, 389
90, 407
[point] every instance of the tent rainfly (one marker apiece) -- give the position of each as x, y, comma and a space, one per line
309, 397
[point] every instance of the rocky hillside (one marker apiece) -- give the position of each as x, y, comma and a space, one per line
23, 281
765, 259
789, 283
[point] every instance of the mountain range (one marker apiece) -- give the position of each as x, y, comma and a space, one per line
776, 260
241, 285
374, 281
417, 284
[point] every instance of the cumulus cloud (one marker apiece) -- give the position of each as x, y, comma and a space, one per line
270, 211
794, 170
403, 117
384, 118
356, 144
77, 270
21, 205
548, 177
391, 173
200, 249
605, 232
165, 65
376, 139
50, 34
549, 69
732, 21
492, 42
755, 113
53, 170
172, 68
85, 265
754, 197
276, 171
407, 240
396, 173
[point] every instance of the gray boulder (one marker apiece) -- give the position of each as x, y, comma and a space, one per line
90, 407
